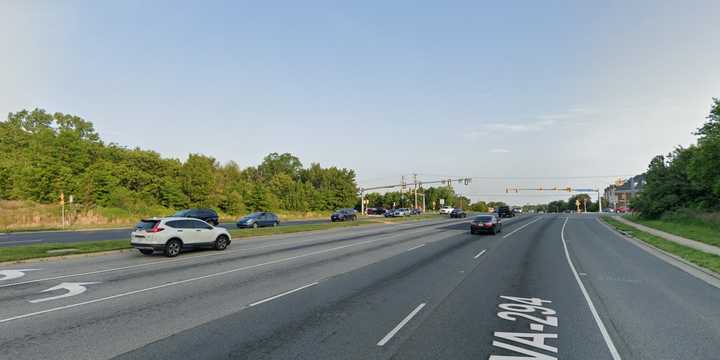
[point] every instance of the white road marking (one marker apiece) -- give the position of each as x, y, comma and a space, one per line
606, 336
582, 274
180, 282
399, 326
73, 289
522, 227
537, 327
479, 254
283, 294
415, 247
14, 273
186, 258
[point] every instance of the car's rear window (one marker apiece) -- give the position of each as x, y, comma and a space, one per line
146, 224
182, 213
484, 218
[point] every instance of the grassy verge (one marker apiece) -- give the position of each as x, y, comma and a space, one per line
41, 250
685, 228
703, 259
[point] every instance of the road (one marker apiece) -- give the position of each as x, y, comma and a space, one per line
547, 287
39, 237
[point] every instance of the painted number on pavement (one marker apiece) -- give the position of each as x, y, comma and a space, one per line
527, 345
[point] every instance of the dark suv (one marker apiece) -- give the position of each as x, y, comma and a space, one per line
207, 215
504, 212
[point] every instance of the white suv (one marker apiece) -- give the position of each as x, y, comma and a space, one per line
170, 235
446, 209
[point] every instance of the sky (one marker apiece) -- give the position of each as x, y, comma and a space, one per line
512, 93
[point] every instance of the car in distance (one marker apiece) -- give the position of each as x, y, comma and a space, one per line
415, 211
207, 215
173, 234
375, 211
446, 209
389, 213
458, 213
485, 223
258, 219
344, 215
504, 212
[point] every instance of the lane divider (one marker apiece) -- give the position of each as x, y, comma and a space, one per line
283, 294
479, 254
399, 326
415, 247
522, 227
606, 336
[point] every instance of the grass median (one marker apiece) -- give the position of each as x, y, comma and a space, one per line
24, 252
697, 257
694, 230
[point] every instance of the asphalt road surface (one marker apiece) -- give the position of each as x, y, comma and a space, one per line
547, 287
39, 237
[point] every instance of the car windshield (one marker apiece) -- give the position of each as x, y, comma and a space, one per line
553, 189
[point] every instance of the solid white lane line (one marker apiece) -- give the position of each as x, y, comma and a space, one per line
479, 254
180, 282
606, 336
522, 227
415, 247
399, 326
283, 294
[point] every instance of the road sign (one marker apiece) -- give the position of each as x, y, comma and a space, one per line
442, 202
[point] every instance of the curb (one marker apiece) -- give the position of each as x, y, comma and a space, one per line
708, 276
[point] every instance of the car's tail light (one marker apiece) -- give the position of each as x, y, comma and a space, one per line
156, 228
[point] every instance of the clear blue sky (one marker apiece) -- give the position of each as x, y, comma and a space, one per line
457, 88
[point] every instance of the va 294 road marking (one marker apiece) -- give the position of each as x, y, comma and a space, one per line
517, 308
14, 273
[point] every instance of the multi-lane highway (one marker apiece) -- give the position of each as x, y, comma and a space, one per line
39, 237
547, 287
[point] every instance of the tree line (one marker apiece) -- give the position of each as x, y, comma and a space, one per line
43, 155
687, 177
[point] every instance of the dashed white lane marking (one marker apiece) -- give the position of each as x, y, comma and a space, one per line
415, 247
606, 336
399, 326
283, 294
582, 274
522, 227
479, 254
180, 282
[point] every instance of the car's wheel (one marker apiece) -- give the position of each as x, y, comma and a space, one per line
472, 232
173, 248
146, 251
221, 243
255, 225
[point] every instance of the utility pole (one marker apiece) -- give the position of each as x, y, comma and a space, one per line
416, 186
402, 186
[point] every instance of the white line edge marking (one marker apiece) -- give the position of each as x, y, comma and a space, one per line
479, 254
179, 282
522, 227
283, 294
399, 326
415, 247
606, 336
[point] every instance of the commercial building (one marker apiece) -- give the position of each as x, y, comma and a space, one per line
619, 195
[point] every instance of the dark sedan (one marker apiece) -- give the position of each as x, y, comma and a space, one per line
343, 215
258, 219
458, 213
486, 223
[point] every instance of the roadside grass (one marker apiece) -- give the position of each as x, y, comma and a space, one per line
687, 228
697, 257
16, 253
35, 251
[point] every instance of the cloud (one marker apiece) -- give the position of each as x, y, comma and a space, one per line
523, 127
499, 151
